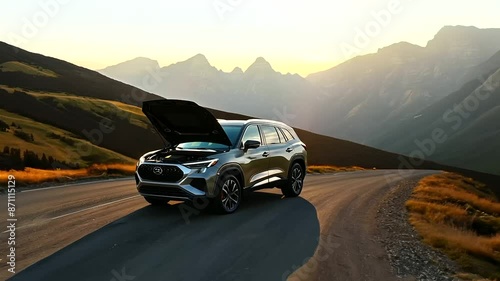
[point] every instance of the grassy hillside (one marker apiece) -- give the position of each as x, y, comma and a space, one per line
15, 66
55, 142
459, 216
109, 124
24, 69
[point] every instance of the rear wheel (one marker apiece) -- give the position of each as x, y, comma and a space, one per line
156, 201
295, 181
229, 198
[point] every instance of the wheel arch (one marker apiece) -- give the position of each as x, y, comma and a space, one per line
301, 161
232, 169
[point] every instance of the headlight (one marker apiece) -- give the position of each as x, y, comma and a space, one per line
141, 160
202, 164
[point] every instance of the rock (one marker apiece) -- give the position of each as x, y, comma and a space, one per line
409, 257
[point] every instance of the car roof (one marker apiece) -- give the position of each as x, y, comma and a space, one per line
251, 121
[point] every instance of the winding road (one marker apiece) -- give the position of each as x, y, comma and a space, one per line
105, 231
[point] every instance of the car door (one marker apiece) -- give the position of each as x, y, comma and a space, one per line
255, 162
276, 143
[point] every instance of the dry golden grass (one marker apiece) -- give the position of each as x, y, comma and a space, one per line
322, 169
460, 217
35, 176
16, 66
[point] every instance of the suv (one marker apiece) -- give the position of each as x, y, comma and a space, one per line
217, 159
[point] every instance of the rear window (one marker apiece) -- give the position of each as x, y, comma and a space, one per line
288, 135
270, 134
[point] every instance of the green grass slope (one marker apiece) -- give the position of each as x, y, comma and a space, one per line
108, 124
55, 142
15, 66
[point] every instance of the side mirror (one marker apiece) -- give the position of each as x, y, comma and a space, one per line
251, 144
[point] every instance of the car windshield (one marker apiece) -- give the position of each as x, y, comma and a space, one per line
232, 131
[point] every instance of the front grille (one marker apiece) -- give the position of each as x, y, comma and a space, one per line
160, 173
165, 191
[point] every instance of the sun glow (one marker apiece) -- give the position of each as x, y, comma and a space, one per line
295, 36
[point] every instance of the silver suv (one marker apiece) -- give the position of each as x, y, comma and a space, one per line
217, 159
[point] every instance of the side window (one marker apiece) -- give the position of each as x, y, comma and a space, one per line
251, 133
271, 135
282, 137
288, 135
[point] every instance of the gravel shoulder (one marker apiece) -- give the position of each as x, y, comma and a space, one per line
409, 257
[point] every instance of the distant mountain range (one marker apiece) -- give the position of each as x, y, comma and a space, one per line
467, 119
80, 116
257, 91
369, 94
365, 99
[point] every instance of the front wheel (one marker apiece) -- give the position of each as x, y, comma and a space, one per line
229, 198
295, 181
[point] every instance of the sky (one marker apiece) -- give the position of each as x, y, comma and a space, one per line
294, 36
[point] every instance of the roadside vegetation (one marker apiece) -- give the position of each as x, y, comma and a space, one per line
459, 216
323, 169
30, 176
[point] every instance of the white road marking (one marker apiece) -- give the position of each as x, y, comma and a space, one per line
93, 207
79, 211
76, 184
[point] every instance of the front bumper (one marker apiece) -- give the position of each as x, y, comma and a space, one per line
175, 182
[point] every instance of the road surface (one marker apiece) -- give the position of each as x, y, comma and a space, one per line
105, 231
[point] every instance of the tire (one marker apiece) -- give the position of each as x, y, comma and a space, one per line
295, 181
156, 201
230, 195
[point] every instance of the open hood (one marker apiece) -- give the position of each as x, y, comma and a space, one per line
179, 121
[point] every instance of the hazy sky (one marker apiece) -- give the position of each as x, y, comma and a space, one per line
294, 36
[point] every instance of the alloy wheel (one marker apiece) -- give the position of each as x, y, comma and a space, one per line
230, 195
297, 180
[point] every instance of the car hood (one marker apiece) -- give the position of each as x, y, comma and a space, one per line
180, 121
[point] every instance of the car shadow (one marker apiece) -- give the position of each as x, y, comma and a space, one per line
266, 239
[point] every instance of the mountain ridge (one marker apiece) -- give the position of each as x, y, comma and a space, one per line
94, 117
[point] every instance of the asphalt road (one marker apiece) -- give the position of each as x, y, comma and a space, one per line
105, 231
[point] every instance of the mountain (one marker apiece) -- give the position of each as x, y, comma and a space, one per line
367, 95
78, 113
88, 108
20, 68
132, 71
467, 119
82, 117
258, 91
364, 99
355, 100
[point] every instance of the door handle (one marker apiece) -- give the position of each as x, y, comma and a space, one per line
289, 149
265, 154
